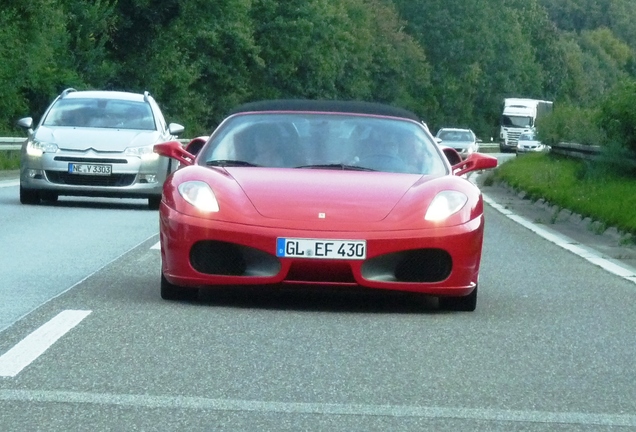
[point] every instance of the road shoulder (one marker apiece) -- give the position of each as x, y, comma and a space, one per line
573, 230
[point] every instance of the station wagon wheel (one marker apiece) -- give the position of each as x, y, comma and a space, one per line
49, 197
28, 196
174, 292
462, 304
154, 202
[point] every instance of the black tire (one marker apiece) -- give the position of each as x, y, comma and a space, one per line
461, 304
154, 202
49, 197
174, 292
29, 196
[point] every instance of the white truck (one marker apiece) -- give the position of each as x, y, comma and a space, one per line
519, 116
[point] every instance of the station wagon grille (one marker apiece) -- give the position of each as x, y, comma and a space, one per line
61, 177
90, 160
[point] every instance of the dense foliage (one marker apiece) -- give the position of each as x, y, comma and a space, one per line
450, 62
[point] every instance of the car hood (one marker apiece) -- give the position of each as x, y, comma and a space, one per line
99, 139
306, 194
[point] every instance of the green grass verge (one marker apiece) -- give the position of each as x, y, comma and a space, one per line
10, 160
576, 185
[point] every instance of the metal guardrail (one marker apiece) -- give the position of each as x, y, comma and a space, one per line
488, 147
11, 143
575, 150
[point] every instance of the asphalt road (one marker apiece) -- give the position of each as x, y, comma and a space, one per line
549, 348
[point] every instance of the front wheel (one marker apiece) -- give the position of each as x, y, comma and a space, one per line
173, 292
29, 196
462, 304
49, 197
154, 202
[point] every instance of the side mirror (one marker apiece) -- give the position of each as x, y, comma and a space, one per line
196, 144
27, 124
453, 157
474, 162
175, 129
174, 150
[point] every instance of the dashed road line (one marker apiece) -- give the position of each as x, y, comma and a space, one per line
35, 344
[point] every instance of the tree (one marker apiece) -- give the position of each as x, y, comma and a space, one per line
617, 115
33, 49
202, 63
91, 25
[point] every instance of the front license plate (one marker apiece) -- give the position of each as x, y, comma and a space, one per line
90, 169
321, 248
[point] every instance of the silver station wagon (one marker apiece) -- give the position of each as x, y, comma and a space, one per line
96, 143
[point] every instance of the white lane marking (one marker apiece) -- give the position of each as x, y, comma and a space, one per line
9, 183
77, 283
206, 404
156, 246
619, 269
34, 345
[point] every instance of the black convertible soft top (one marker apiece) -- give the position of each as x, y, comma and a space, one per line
336, 106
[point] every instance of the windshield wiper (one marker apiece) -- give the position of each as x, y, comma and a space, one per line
229, 162
339, 166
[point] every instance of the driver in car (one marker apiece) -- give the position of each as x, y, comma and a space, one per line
381, 152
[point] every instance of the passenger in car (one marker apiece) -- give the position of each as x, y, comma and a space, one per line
260, 144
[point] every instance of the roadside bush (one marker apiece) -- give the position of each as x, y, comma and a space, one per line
568, 123
615, 160
617, 116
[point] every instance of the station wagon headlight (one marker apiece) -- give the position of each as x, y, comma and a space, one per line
38, 148
200, 195
145, 153
445, 204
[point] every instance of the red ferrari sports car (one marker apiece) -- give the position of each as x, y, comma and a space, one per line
324, 194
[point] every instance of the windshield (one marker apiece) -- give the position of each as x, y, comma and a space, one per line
516, 121
452, 135
101, 113
324, 141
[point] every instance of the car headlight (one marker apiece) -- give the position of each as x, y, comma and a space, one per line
38, 148
445, 204
200, 195
146, 153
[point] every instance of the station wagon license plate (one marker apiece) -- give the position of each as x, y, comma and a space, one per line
90, 169
321, 248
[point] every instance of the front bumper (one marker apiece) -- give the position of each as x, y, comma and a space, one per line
203, 253
530, 149
131, 177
